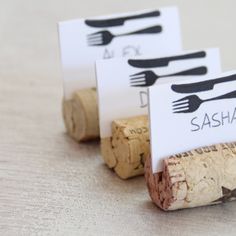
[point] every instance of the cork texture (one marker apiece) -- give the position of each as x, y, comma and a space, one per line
203, 176
81, 115
126, 150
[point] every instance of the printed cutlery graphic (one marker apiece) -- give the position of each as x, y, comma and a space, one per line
193, 102
104, 37
201, 86
160, 62
119, 21
148, 78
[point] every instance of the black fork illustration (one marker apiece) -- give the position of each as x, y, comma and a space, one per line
148, 78
104, 37
193, 102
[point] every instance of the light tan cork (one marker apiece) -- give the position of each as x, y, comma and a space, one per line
204, 176
126, 150
81, 115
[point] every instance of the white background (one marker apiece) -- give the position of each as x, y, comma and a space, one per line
118, 100
78, 59
171, 133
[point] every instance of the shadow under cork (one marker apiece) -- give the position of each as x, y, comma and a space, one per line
198, 219
85, 145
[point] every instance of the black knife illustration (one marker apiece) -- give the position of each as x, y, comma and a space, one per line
201, 86
160, 62
119, 21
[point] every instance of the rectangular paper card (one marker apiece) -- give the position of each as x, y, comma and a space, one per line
186, 115
83, 41
122, 83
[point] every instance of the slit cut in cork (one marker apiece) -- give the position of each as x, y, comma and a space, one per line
203, 176
80, 115
126, 150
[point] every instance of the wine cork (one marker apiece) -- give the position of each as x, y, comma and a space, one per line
204, 176
80, 115
126, 150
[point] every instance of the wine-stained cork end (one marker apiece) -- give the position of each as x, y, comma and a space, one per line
81, 115
126, 150
203, 176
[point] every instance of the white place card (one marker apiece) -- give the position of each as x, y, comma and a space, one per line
83, 41
186, 115
122, 83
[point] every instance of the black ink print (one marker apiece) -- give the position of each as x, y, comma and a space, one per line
228, 195
193, 102
160, 62
104, 37
201, 86
119, 21
148, 78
